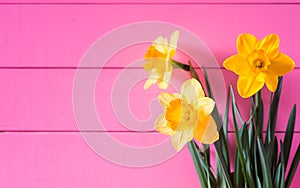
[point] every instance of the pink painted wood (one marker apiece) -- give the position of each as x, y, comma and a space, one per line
41, 42
64, 160
150, 2
42, 99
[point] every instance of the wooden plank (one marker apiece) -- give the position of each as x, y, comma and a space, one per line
65, 160
41, 99
59, 36
149, 2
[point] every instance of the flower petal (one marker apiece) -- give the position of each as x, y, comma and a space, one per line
161, 45
270, 79
206, 131
269, 44
246, 44
205, 105
163, 82
181, 137
238, 64
173, 41
165, 99
249, 85
191, 90
147, 66
152, 52
162, 126
150, 81
282, 64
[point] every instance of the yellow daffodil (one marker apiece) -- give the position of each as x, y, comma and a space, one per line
187, 115
258, 62
158, 61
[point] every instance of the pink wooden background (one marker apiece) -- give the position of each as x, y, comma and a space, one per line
41, 44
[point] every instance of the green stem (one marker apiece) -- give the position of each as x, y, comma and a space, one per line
180, 65
259, 113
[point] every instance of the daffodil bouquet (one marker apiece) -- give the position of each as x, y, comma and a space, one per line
191, 117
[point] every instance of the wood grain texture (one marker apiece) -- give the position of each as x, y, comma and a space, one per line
41, 99
149, 2
65, 160
40, 39
42, 44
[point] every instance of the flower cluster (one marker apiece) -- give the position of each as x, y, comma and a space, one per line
187, 114
190, 114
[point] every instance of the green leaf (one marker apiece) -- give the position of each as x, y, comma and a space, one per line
256, 165
288, 138
226, 114
223, 133
223, 164
293, 168
274, 151
197, 163
219, 146
237, 134
251, 136
246, 152
238, 181
278, 175
283, 164
221, 182
193, 72
207, 155
215, 113
274, 102
207, 83
204, 165
267, 180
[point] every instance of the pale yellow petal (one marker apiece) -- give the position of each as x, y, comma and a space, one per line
206, 131
270, 45
281, 65
191, 90
205, 105
161, 45
163, 82
149, 82
180, 138
237, 64
152, 79
246, 44
161, 125
173, 41
249, 85
148, 66
165, 98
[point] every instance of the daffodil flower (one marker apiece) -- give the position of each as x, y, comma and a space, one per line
258, 63
187, 115
158, 61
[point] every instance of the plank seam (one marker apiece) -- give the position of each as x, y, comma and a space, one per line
153, 3
99, 131
106, 67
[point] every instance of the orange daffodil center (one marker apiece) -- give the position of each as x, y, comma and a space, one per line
179, 110
258, 63
158, 61
187, 115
